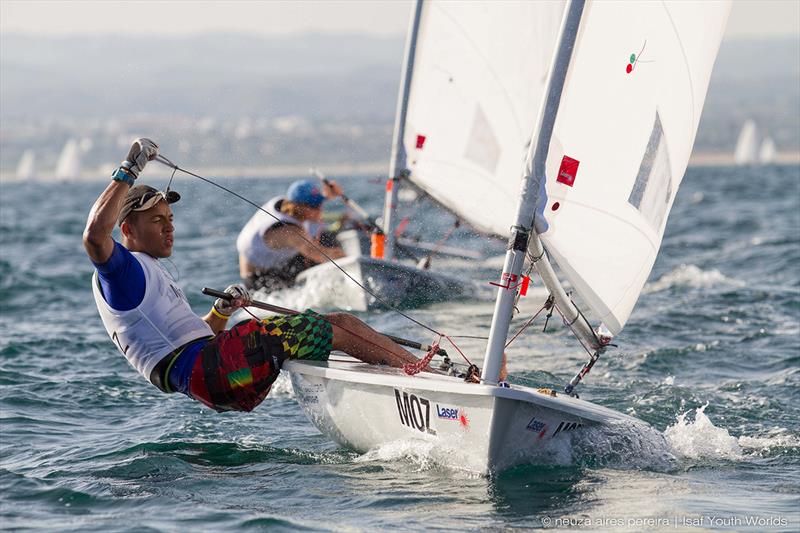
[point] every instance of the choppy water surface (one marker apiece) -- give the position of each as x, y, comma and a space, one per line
709, 358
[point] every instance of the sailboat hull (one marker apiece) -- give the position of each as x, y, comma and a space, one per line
399, 285
478, 428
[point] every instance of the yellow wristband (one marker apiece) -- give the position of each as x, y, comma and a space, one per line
218, 314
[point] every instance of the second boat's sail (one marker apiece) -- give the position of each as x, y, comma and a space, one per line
622, 139
478, 80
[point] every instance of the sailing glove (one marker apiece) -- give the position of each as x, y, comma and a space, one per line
240, 297
331, 189
142, 151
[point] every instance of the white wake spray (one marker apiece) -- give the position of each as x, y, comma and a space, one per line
700, 439
692, 277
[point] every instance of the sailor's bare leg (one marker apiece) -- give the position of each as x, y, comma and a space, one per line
355, 338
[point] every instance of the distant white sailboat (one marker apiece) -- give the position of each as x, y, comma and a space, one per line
766, 154
69, 162
26, 168
746, 152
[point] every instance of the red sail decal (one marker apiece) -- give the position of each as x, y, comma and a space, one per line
568, 171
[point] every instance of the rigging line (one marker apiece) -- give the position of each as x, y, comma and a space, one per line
525, 326
574, 333
594, 334
447, 235
458, 349
166, 161
174, 170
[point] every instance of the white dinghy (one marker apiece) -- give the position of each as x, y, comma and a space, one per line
388, 283
616, 121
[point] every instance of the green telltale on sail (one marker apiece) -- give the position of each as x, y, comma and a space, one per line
633, 58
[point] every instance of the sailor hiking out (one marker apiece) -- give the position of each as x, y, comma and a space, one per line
276, 244
148, 317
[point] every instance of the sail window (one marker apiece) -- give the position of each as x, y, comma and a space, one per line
652, 191
482, 146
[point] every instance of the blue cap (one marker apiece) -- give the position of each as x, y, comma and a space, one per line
305, 192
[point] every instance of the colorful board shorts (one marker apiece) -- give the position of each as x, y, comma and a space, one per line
236, 369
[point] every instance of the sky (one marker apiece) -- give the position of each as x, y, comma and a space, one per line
749, 18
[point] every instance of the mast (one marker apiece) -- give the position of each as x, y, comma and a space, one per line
533, 180
397, 164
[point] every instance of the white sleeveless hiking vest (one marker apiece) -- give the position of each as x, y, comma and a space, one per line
250, 242
160, 324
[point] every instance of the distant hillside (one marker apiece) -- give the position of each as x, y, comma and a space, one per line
325, 76
342, 87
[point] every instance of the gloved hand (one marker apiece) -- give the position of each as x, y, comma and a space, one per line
241, 298
331, 189
142, 151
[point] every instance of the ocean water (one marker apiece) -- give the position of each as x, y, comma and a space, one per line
710, 359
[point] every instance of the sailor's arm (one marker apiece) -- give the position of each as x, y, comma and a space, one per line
216, 322
97, 235
300, 240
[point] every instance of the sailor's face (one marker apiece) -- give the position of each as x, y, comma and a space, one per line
312, 214
152, 231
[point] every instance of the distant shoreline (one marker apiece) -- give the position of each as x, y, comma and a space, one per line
700, 159
266, 171
725, 159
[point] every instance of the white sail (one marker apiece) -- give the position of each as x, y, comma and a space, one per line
630, 136
68, 166
478, 81
26, 168
621, 142
766, 154
746, 152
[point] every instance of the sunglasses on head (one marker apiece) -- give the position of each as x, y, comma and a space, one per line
149, 199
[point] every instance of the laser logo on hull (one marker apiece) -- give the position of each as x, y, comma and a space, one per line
452, 414
537, 426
